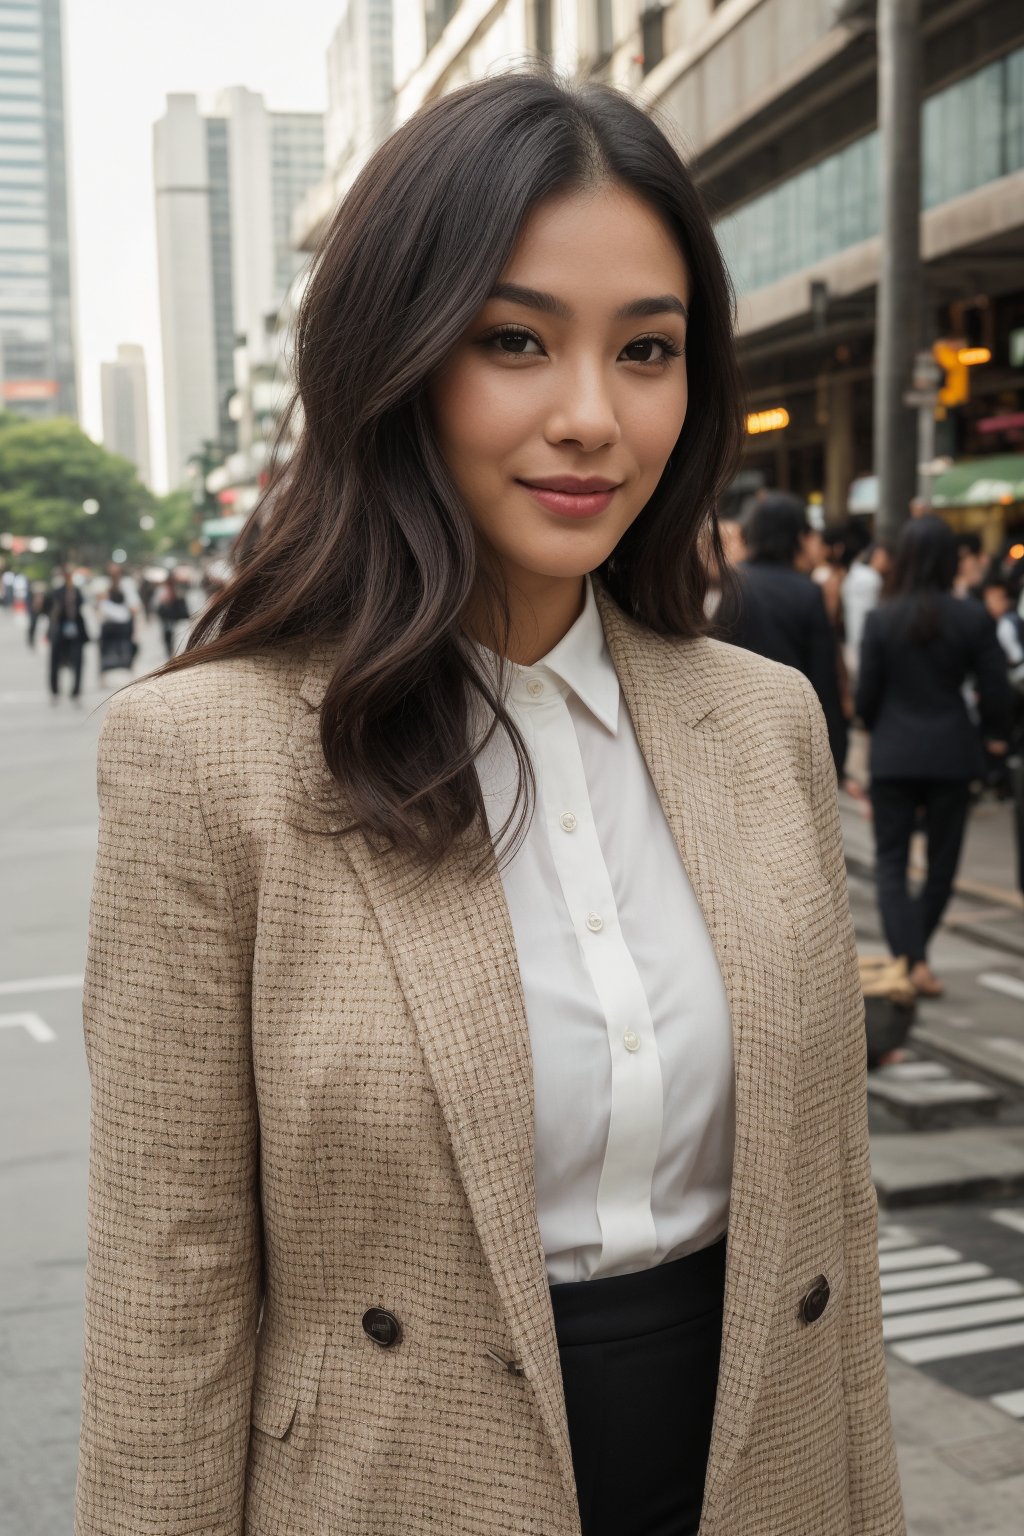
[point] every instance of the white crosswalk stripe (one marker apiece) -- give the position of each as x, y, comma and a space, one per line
917, 1258
1012, 1219
1009, 1402
949, 1296
942, 1274
951, 1319
976, 1341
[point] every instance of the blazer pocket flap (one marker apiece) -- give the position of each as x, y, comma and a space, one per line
286, 1383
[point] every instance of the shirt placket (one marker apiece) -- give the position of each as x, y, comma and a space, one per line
624, 1196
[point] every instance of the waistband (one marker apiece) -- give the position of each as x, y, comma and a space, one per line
627, 1306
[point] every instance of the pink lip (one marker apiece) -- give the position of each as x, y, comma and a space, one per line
572, 484
567, 496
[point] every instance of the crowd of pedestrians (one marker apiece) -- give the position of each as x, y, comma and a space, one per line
921, 643
77, 608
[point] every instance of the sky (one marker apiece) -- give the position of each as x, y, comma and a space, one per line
122, 58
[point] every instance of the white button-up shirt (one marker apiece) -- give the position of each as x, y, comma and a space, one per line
629, 1022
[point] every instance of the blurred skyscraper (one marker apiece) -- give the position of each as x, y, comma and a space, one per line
126, 408
226, 187
37, 355
360, 105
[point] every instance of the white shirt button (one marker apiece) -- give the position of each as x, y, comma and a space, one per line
567, 821
535, 687
631, 1040
595, 922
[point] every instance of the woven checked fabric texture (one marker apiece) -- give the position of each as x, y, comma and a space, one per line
312, 1095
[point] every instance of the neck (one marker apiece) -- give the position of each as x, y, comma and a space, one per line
542, 609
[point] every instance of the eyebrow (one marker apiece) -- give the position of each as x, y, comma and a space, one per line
548, 304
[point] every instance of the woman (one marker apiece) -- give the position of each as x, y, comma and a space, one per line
117, 631
472, 1007
919, 646
172, 610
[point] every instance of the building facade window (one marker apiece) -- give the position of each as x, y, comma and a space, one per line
543, 30
972, 132
652, 31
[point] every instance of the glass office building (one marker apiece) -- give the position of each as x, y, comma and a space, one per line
37, 361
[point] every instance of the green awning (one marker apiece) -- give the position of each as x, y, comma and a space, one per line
224, 527
989, 482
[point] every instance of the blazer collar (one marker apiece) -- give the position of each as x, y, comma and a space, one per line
450, 939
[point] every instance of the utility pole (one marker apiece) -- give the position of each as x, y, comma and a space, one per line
898, 312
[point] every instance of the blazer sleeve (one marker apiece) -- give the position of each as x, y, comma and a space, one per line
873, 1479
173, 1272
868, 696
823, 671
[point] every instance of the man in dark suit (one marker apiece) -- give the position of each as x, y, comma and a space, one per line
781, 613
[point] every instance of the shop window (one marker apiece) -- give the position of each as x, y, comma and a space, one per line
652, 29
543, 37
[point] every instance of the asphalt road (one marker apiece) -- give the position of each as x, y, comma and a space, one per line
47, 848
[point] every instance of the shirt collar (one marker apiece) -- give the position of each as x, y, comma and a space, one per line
580, 663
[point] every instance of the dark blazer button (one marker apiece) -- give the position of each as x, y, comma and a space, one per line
816, 1300
382, 1327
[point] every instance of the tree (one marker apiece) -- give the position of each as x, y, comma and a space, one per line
48, 469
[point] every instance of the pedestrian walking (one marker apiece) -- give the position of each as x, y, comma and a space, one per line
781, 612
118, 646
998, 597
172, 610
472, 1007
67, 633
920, 645
862, 592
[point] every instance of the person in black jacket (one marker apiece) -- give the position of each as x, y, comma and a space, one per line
780, 611
67, 634
919, 646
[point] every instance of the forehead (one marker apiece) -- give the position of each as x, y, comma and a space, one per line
606, 240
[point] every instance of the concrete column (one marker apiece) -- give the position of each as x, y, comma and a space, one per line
838, 447
898, 313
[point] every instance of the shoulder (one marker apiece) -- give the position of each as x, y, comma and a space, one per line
746, 693
208, 712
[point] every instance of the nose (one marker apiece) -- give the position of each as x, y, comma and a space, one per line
583, 410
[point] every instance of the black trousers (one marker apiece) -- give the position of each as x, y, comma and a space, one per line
909, 921
66, 653
639, 1357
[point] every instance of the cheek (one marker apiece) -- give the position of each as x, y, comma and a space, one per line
653, 424
479, 418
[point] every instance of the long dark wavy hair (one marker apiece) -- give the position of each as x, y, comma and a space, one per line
923, 568
362, 538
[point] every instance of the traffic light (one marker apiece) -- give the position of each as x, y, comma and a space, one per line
957, 387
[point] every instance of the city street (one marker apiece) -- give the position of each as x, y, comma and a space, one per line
948, 1139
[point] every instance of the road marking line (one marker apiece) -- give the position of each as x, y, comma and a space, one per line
948, 1295
918, 1257
894, 1237
1010, 986
1009, 1402
31, 1022
950, 1319
912, 1071
943, 1274
1012, 1219
977, 1341
42, 984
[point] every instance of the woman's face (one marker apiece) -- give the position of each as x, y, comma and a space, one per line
559, 407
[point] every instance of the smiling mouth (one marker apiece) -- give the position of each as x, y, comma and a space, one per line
569, 498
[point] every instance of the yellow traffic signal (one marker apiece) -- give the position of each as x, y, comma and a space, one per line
957, 388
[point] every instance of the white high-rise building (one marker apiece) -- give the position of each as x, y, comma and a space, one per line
226, 186
126, 408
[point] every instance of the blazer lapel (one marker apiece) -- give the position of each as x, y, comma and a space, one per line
671, 691
450, 938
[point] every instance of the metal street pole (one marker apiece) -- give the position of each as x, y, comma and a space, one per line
898, 310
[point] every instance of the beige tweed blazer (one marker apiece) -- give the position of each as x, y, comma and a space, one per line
312, 1096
